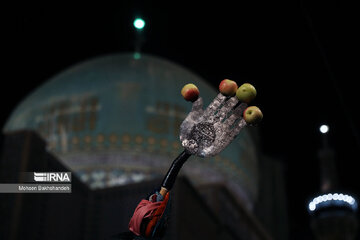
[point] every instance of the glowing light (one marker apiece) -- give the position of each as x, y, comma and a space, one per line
329, 197
137, 55
139, 23
341, 197
312, 206
332, 198
324, 129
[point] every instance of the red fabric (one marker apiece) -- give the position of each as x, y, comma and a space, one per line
156, 216
145, 209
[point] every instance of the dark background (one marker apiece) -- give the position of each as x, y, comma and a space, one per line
301, 56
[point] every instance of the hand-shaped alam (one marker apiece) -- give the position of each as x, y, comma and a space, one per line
203, 133
207, 132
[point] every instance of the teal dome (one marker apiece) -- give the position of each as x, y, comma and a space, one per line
115, 119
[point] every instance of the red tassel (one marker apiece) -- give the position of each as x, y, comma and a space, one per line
156, 216
145, 209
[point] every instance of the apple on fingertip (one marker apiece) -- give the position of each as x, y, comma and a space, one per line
228, 87
190, 92
246, 93
252, 115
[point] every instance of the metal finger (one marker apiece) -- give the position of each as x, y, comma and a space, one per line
236, 114
197, 105
214, 105
197, 109
225, 109
236, 130
191, 118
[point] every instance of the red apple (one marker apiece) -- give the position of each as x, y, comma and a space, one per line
228, 87
190, 92
252, 115
246, 93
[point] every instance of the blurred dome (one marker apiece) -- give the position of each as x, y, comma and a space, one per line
115, 119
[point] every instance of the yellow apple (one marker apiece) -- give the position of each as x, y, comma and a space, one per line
252, 115
246, 93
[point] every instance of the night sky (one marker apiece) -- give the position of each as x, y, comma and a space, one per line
301, 56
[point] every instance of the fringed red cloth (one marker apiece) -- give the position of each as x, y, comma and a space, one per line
147, 210
157, 216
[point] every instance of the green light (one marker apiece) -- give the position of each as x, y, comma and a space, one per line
137, 55
139, 23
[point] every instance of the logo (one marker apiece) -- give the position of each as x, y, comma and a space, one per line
52, 177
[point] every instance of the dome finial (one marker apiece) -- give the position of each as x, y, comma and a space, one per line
139, 25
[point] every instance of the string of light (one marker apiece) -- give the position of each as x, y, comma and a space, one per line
336, 198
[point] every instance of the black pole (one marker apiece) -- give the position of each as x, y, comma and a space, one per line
173, 171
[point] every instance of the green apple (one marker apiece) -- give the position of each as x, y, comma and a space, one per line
252, 115
228, 87
246, 93
190, 92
